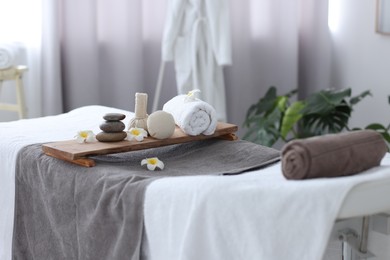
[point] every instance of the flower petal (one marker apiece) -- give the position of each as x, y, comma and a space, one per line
160, 164
137, 134
80, 139
151, 167
191, 95
144, 133
91, 137
152, 163
85, 136
139, 138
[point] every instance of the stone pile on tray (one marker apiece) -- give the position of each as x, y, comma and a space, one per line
112, 128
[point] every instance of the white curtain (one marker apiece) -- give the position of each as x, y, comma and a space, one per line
51, 80
265, 52
112, 49
34, 25
103, 52
20, 21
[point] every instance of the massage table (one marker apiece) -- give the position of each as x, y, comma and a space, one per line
254, 215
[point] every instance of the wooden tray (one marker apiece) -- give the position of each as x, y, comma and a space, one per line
74, 152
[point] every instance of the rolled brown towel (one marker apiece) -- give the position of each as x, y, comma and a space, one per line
333, 155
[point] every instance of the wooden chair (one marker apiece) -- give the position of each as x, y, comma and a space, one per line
15, 73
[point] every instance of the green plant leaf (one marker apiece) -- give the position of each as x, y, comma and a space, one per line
291, 93
326, 112
334, 121
263, 106
386, 136
267, 103
263, 118
380, 129
262, 129
376, 127
265, 138
249, 115
291, 117
253, 120
281, 103
358, 98
324, 101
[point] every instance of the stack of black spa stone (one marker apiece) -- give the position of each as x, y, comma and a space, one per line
112, 128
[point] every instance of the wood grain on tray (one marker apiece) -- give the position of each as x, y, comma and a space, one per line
77, 153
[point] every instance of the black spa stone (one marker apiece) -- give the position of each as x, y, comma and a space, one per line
111, 137
114, 116
112, 126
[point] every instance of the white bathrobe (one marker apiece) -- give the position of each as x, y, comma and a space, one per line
197, 38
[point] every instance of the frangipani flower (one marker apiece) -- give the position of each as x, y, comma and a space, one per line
85, 136
152, 163
191, 95
137, 133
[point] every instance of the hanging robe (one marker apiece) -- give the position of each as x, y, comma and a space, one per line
197, 38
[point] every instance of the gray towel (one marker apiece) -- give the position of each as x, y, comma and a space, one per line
65, 211
333, 155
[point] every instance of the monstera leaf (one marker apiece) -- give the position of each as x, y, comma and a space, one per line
328, 111
324, 101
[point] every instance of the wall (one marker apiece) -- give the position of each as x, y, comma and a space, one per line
361, 60
353, 55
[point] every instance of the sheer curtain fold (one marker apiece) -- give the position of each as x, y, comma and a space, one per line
110, 50
23, 26
51, 59
315, 47
103, 52
265, 52
79, 53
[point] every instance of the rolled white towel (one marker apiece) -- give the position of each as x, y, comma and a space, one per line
7, 56
192, 115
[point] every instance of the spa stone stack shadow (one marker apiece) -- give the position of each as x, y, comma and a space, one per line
112, 128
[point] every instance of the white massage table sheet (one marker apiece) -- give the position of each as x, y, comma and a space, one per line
213, 217
17, 134
257, 215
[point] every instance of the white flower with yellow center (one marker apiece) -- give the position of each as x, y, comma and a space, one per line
153, 163
136, 133
85, 136
191, 95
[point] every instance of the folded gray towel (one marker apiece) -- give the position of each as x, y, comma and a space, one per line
64, 211
333, 155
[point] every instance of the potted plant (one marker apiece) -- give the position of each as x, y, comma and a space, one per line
276, 117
